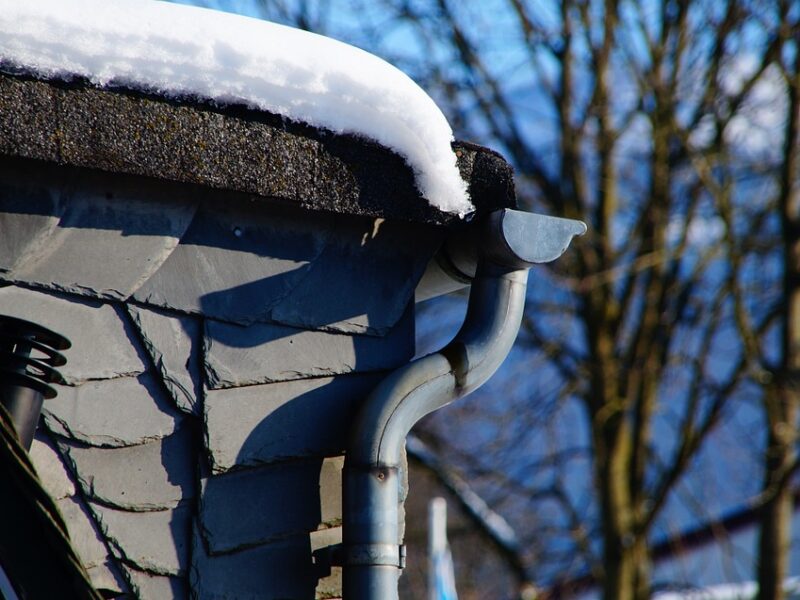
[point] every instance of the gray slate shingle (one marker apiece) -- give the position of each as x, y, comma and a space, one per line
363, 280
153, 476
29, 214
105, 244
157, 587
266, 423
86, 538
125, 411
281, 570
50, 468
102, 346
236, 356
234, 263
253, 506
173, 343
106, 576
153, 541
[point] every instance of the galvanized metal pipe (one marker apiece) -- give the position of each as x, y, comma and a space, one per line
511, 242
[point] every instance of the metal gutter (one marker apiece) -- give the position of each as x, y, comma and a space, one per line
509, 242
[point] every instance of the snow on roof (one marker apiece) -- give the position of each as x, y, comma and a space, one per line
180, 50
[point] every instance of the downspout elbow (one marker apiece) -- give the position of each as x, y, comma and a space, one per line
494, 313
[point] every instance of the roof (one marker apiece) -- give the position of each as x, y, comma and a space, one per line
230, 148
192, 51
152, 232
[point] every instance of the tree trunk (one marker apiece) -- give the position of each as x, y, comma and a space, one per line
627, 569
776, 515
626, 563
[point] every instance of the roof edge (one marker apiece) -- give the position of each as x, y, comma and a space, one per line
230, 147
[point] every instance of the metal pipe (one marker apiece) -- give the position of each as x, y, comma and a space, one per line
28, 357
510, 243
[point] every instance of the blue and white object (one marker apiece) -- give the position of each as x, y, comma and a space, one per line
441, 579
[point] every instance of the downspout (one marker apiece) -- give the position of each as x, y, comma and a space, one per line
509, 243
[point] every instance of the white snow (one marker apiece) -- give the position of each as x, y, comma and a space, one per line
183, 50
731, 591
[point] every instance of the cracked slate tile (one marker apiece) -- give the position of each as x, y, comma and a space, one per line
148, 586
155, 541
50, 468
265, 423
239, 509
113, 234
152, 476
280, 570
174, 345
102, 346
363, 281
116, 412
262, 353
235, 263
83, 532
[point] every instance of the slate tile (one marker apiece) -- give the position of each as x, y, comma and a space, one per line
252, 506
152, 476
155, 541
102, 346
110, 239
83, 532
50, 468
263, 353
148, 586
364, 279
116, 412
106, 577
29, 212
280, 570
174, 345
265, 423
329, 586
236, 262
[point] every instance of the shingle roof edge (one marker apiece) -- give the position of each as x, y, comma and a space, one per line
228, 147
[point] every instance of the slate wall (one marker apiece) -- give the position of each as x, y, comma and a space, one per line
220, 349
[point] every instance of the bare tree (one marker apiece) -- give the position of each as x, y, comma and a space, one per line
647, 110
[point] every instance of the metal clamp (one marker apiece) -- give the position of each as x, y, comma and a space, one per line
390, 555
339, 555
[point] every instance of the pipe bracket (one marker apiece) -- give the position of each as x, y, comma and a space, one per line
389, 555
